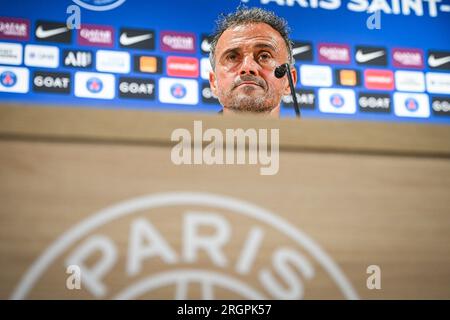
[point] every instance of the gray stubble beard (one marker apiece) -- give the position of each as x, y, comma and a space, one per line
246, 103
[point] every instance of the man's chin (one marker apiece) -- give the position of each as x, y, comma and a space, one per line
250, 95
249, 89
254, 101
250, 106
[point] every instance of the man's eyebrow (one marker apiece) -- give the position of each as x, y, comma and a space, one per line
265, 46
258, 46
229, 50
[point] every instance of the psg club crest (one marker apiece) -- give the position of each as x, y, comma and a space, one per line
8, 79
178, 90
337, 100
94, 85
411, 104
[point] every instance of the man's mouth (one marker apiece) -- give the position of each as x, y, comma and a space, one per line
248, 83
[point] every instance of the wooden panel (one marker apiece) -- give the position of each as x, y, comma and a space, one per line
156, 127
360, 209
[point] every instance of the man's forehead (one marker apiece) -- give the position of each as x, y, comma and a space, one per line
251, 34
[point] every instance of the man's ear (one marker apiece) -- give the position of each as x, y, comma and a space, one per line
287, 89
212, 82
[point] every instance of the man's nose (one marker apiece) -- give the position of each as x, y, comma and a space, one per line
249, 66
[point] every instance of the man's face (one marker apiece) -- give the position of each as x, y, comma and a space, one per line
246, 57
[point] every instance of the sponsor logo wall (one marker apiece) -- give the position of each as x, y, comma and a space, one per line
134, 56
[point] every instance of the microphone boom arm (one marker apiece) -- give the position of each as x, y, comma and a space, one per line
279, 72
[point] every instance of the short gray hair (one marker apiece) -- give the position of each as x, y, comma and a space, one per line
244, 16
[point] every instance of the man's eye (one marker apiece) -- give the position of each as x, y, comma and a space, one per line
232, 57
264, 56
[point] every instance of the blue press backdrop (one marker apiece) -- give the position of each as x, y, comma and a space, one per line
316, 25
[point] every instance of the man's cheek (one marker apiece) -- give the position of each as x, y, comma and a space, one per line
226, 85
218, 87
282, 87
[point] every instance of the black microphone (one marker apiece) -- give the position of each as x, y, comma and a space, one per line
280, 71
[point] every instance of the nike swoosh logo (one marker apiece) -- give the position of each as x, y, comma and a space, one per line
206, 46
43, 34
125, 40
436, 62
299, 50
364, 57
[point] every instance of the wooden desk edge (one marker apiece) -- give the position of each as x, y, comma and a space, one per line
154, 127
